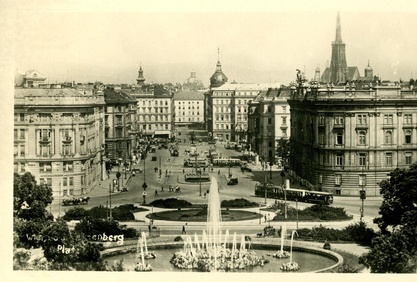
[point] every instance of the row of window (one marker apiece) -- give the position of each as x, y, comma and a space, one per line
339, 159
189, 102
153, 118
156, 110
161, 103
362, 119
192, 113
189, 107
361, 137
189, 119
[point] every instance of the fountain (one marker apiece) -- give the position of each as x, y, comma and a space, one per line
291, 266
281, 253
214, 254
142, 249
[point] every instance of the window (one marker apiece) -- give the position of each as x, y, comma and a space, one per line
388, 137
338, 179
22, 134
362, 180
284, 109
284, 120
321, 159
68, 166
362, 159
339, 138
408, 118
339, 159
66, 149
321, 138
321, 120
408, 158
269, 120
362, 119
388, 119
338, 120
408, 137
362, 137
388, 159
45, 166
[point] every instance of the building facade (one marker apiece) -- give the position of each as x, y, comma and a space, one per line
154, 113
268, 121
59, 137
188, 107
347, 140
120, 126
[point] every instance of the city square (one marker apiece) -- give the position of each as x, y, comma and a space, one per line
260, 160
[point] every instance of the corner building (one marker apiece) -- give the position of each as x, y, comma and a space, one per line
345, 140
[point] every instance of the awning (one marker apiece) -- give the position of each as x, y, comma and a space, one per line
162, 132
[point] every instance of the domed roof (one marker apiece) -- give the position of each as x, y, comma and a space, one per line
193, 83
368, 67
218, 78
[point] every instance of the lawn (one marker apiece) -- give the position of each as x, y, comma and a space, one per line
199, 215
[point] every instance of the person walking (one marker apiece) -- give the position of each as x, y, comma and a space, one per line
162, 188
183, 230
156, 192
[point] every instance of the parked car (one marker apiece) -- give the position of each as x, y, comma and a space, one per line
125, 189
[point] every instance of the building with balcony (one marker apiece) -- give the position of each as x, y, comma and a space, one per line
268, 121
59, 137
344, 140
120, 125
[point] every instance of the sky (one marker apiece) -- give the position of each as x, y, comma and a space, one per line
258, 42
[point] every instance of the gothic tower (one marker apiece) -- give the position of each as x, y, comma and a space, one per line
338, 65
140, 80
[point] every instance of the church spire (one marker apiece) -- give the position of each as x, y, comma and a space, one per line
338, 30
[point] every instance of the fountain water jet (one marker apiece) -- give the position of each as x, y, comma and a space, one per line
214, 255
291, 266
144, 254
281, 253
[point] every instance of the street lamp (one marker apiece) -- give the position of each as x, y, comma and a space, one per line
362, 194
285, 194
110, 216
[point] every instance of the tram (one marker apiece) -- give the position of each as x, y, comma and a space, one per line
277, 192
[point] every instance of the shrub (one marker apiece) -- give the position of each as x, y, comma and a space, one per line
75, 214
360, 233
238, 203
171, 203
178, 239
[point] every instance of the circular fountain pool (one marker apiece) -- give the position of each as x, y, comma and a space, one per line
309, 262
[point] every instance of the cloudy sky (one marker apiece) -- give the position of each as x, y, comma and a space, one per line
262, 41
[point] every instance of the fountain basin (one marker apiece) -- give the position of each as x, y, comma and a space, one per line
310, 259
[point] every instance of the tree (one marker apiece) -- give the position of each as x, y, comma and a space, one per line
30, 199
394, 249
283, 150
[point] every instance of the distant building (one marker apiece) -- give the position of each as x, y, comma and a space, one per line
59, 136
338, 72
154, 112
188, 107
141, 79
30, 79
268, 121
218, 78
120, 125
227, 111
192, 83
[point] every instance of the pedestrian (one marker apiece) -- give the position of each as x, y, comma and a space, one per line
183, 171
183, 230
205, 195
265, 217
149, 228
218, 172
156, 192
162, 188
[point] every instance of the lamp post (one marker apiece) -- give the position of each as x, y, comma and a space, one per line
296, 208
200, 182
285, 194
362, 194
110, 216
265, 188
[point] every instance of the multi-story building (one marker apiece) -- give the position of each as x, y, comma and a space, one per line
268, 121
120, 125
228, 109
59, 137
154, 112
345, 140
188, 107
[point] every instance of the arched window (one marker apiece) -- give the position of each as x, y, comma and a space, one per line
408, 137
388, 137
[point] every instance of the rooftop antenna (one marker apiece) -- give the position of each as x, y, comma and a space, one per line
218, 54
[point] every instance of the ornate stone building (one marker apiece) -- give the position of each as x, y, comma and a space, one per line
344, 140
59, 137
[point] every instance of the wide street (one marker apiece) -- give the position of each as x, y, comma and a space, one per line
172, 169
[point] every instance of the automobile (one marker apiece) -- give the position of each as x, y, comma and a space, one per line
212, 142
233, 181
125, 189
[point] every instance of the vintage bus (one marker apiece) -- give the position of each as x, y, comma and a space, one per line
226, 162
